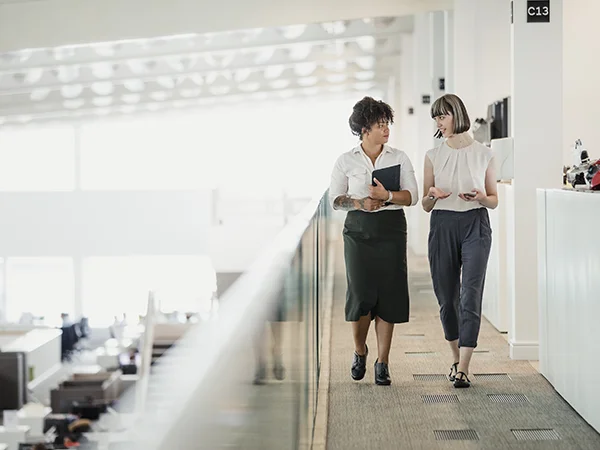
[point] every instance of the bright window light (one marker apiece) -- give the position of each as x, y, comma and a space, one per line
40, 286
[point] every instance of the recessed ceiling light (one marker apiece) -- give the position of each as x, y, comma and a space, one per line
366, 43
263, 55
272, 72
166, 82
292, 31
102, 101
103, 70
279, 84
131, 98
66, 74
134, 85
300, 51
305, 69
366, 62
71, 90
39, 94
103, 87
160, 96
365, 75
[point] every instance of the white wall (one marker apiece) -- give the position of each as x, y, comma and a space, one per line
581, 65
481, 53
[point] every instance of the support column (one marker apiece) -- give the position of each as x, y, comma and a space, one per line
449, 50
422, 62
465, 53
438, 53
406, 101
536, 111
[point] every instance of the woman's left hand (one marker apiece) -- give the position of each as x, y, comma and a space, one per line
378, 192
476, 196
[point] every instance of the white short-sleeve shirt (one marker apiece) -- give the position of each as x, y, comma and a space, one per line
459, 171
352, 174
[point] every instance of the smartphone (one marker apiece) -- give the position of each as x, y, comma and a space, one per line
469, 194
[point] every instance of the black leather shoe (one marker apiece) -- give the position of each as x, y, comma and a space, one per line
359, 365
382, 374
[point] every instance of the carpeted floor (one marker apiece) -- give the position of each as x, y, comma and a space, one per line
364, 416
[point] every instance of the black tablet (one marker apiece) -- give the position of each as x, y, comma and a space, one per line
389, 177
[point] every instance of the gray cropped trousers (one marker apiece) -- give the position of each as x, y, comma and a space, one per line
459, 242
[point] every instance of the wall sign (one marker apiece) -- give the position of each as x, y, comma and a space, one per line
426, 99
538, 11
411, 111
442, 84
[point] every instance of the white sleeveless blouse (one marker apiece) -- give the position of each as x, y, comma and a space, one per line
459, 171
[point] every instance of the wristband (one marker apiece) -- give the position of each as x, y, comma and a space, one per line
390, 197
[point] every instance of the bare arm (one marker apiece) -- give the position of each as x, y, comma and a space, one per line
491, 187
428, 182
345, 203
403, 198
379, 192
408, 195
489, 198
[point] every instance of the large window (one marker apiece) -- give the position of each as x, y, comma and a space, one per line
40, 286
147, 153
261, 161
113, 286
37, 159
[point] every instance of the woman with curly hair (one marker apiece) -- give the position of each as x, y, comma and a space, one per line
374, 234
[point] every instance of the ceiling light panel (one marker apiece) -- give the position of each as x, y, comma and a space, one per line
235, 63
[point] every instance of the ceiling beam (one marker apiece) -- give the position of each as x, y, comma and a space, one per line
50, 23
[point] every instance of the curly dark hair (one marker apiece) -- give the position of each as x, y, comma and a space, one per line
367, 113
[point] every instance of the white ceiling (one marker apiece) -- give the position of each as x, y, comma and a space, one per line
33, 24
198, 69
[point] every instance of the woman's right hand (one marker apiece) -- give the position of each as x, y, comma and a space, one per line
437, 194
369, 204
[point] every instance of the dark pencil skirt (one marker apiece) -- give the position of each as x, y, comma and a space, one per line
375, 255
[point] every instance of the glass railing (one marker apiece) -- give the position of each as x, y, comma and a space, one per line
249, 377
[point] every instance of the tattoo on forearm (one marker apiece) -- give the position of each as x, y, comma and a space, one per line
345, 203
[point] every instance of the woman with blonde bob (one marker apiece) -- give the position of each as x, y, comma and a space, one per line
459, 187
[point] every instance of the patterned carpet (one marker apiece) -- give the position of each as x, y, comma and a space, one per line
507, 401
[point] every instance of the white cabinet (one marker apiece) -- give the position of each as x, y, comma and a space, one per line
569, 297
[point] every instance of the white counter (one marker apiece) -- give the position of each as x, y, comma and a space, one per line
569, 297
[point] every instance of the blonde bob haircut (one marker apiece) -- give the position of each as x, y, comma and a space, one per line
452, 105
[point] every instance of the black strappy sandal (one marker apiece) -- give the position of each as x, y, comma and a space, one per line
453, 369
461, 380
